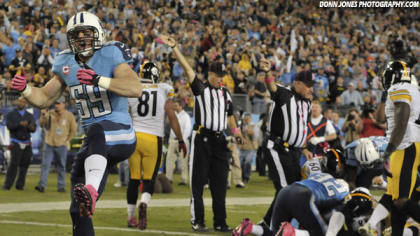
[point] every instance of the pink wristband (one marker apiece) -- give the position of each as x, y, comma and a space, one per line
269, 80
235, 130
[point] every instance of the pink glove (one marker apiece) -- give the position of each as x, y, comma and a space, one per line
88, 77
19, 83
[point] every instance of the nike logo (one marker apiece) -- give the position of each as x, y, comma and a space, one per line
90, 170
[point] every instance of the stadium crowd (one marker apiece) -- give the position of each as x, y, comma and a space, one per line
346, 50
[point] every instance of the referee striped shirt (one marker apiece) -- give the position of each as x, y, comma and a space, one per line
288, 116
211, 106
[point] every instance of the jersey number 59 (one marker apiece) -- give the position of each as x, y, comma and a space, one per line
91, 101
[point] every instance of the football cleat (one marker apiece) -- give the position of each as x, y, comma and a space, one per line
286, 229
142, 216
244, 228
86, 196
132, 223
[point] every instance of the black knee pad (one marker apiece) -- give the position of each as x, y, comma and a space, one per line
148, 186
133, 191
96, 139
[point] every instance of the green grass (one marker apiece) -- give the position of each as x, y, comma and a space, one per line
159, 218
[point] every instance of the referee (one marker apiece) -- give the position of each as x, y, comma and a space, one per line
209, 158
287, 129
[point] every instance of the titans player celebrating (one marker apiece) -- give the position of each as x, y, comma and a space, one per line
99, 79
303, 201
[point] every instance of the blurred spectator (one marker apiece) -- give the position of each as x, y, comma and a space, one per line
260, 94
60, 126
45, 59
336, 89
352, 126
248, 150
174, 154
21, 124
352, 97
370, 126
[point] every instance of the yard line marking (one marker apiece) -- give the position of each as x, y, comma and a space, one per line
109, 204
99, 228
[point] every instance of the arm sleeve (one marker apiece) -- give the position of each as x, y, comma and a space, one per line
121, 54
197, 87
401, 95
229, 101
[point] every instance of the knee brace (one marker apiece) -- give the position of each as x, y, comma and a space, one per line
96, 139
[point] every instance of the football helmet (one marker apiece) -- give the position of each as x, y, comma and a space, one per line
366, 153
149, 73
332, 162
359, 207
93, 35
395, 72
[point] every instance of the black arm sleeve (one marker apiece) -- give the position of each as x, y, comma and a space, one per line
197, 86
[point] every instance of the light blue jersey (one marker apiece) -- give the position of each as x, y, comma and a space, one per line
325, 188
95, 103
380, 143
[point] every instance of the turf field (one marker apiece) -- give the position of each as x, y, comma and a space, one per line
29, 213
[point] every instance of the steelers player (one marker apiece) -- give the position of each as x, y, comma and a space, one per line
148, 113
402, 110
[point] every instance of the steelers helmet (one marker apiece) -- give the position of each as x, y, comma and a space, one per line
359, 207
332, 162
149, 73
395, 72
93, 33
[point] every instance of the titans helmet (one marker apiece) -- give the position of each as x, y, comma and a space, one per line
395, 72
366, 153
85, 33
149, 73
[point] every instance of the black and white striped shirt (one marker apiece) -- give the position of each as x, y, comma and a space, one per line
211, 106
288, 116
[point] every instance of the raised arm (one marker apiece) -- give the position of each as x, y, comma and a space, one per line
39, 97
178, 55
265, 65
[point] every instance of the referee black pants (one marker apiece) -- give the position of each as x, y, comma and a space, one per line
208, 163
283, 167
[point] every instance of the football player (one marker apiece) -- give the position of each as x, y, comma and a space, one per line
402, 110
99, 78
362, 160
304, 201
148, 113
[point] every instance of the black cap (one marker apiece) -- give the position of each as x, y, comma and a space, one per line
306, 77
217, 68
